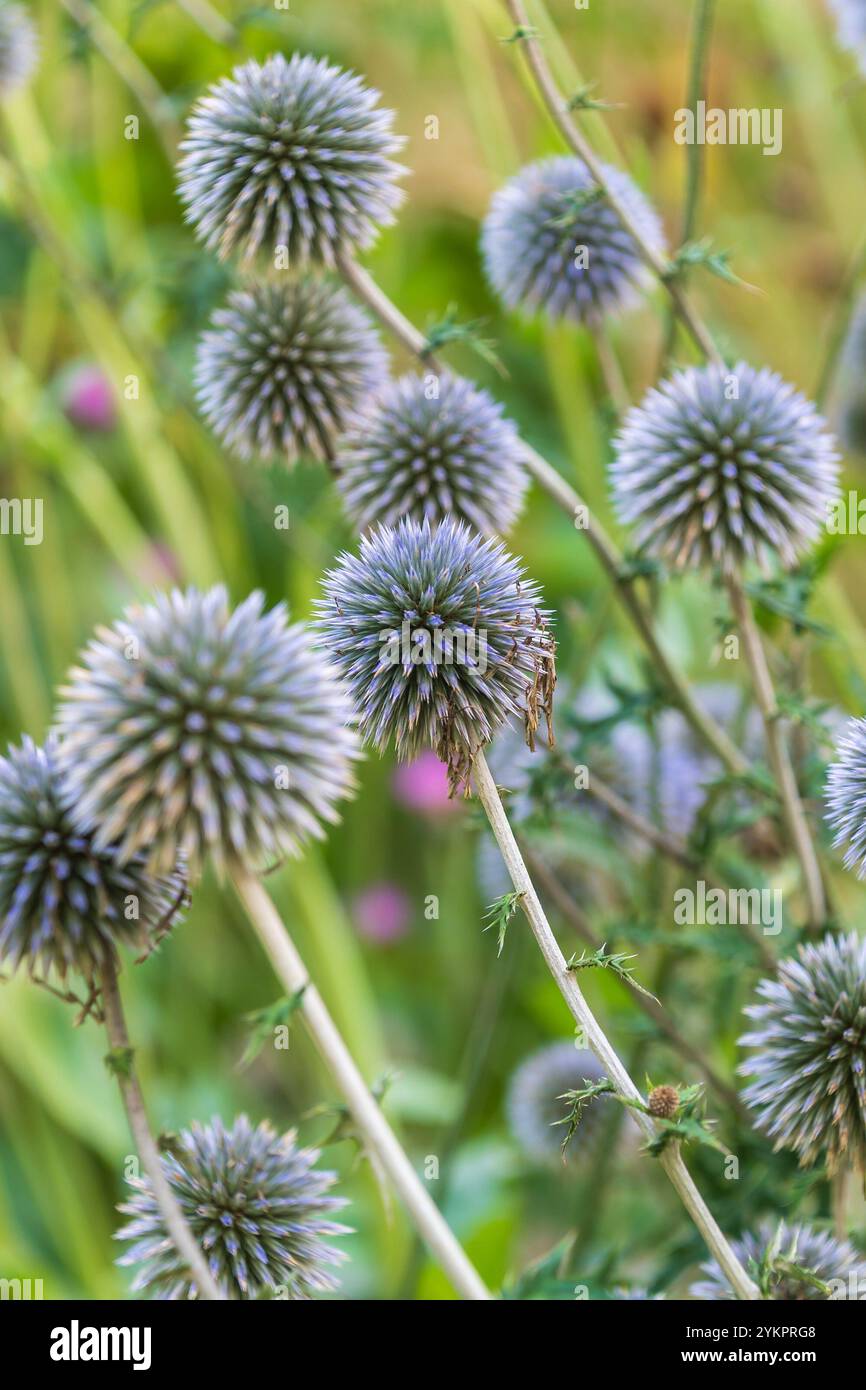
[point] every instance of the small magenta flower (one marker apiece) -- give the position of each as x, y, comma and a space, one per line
67, 903
422, 786
808, 1053
289, 153
430, 448
720, 467
441, 640
284, 366
255, 1203
552, 242
193, 728
535, 1103
833, 1261
88, 400
382, 913
19, 46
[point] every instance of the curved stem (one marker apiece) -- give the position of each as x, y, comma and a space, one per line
574, 138
130, 1090
377, 1133
364, 286
671, 1158
793, 814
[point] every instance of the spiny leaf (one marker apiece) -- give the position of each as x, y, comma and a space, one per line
523, 31
578, 1101
264, 1021
500, 914
119, 1061
700, 253
448, 330
582, 101
615, 961
573, 204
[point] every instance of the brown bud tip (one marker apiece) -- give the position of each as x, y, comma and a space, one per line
663, 1101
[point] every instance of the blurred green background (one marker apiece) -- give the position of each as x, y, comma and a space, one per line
99, 275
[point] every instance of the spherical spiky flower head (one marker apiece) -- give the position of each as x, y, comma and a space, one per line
718, 467
19, 46
257, 1206
809, 1053
789, 1248
433, 453
846, 795
289, 153
284, 366
441, 640
535, 1106
851, 26
553, 243
191, 727
65, 902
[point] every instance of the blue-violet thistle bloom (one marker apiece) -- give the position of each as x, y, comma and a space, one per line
718, 467
66, 903
255, 1203
19, 46
441, 639
808, 1053
284, 366
290, 153
194, 728
433, 447
846, 795
553, 243
850, 18
796, 1247
535, 1103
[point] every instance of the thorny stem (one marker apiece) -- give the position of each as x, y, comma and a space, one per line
552, 887
793, 814
576, 141
371, 294
671, 1159
130, 1090
380, 1139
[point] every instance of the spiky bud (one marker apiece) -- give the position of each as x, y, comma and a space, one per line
663, 1102
19, 46
719, 467
289, 153
799, 1247
66, 903
255, 1203
196, 728
441, 639
808, 1055
430, 453
535, 1106
553, 243
284, 366
846, 795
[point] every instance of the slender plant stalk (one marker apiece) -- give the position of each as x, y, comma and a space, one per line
702, 24
210, 21
577, 142
611, 370
377, 1133
558, 894
130, 1090
371, 294
671, 1159
793, 814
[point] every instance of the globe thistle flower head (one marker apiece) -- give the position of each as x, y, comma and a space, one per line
802, 1246
19, 46
850, 18
535, 1102
66, 903
441, 639
846, 795
717, 468
430, 452
290, 153
194, 728
552, 243
808, 1053
258, 1207
849, 409
284, 366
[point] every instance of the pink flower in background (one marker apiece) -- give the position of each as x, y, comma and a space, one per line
88, 400
422, 785
382, 913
